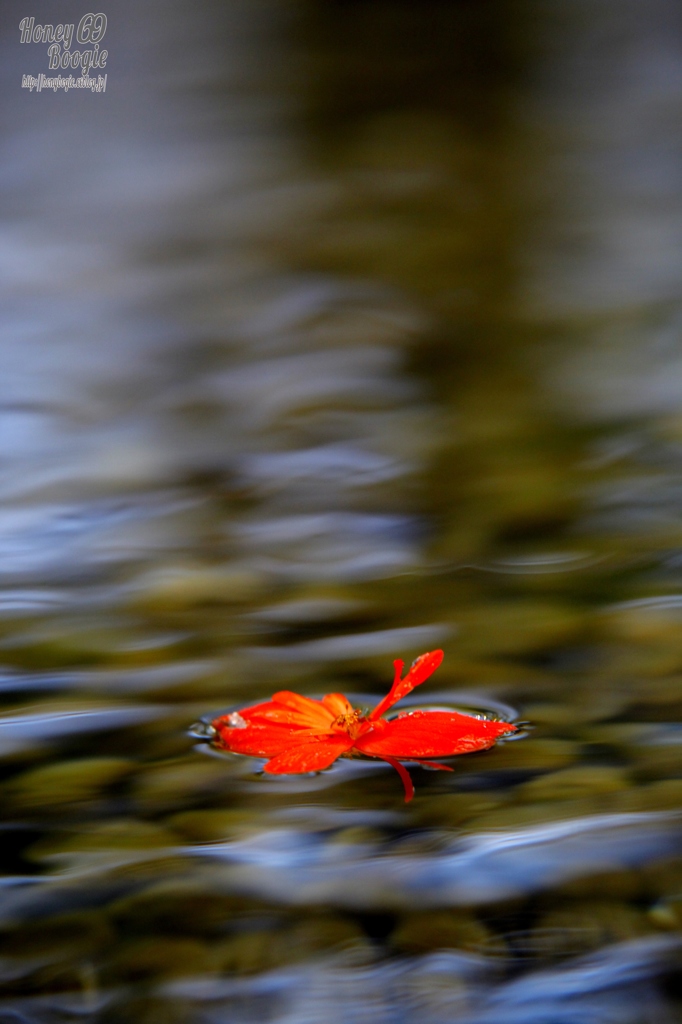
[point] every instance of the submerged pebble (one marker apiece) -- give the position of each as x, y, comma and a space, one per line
574, 783
174, 588
254, 950
533, 754
109, 838
580, 927
160, 957
426, 932
52, 786
176, 906
172, 783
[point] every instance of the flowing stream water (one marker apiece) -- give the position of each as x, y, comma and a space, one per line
333, 333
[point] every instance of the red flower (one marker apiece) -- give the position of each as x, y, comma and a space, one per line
299, 734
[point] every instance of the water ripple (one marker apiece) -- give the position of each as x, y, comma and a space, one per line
20, 731
613, 985
358, 645
302, 868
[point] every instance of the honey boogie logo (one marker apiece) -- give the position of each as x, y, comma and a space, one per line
89, 32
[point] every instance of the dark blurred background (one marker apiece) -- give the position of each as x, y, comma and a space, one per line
331, 333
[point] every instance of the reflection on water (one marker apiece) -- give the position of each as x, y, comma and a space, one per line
479, 870
447, 986
330, 336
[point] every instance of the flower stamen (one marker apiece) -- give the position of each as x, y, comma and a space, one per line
350, 723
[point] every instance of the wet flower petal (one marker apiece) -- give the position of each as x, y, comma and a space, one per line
432, 734
309, 757
299, 734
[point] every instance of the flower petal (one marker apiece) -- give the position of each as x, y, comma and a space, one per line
337, 704
309, 757
431, 734
435, 765
424, 666
288, 708
404, 776
260, 739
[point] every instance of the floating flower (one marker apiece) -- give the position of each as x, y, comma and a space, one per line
299, 734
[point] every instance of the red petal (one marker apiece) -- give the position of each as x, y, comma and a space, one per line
337, 704
404, 775
266, 713
424, 666
289, 708
309, 757
431, 734
287, 720
261, 740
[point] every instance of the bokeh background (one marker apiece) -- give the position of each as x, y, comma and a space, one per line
333, 332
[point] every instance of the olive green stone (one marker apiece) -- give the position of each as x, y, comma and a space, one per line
644, 623
59, 937
531, 752
573, 783
173, 906
111, 837
665, 795
544, 713
356, 835
65, 782
322, 933
515, 627
211, 825
425, 931
250, 951
455, 808
663, 877
667, 913
173, 588
618, 884
524, 814
658, 761
583, 926
158, 957
168, 784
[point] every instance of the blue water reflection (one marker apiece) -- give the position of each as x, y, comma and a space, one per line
331, 335
477, 870
615, 985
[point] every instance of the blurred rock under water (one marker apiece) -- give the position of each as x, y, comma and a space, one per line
332, 333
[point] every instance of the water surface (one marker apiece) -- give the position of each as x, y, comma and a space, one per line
333, 334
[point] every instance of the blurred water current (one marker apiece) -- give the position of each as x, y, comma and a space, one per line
332, 333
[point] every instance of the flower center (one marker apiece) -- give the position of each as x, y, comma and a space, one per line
350, 723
